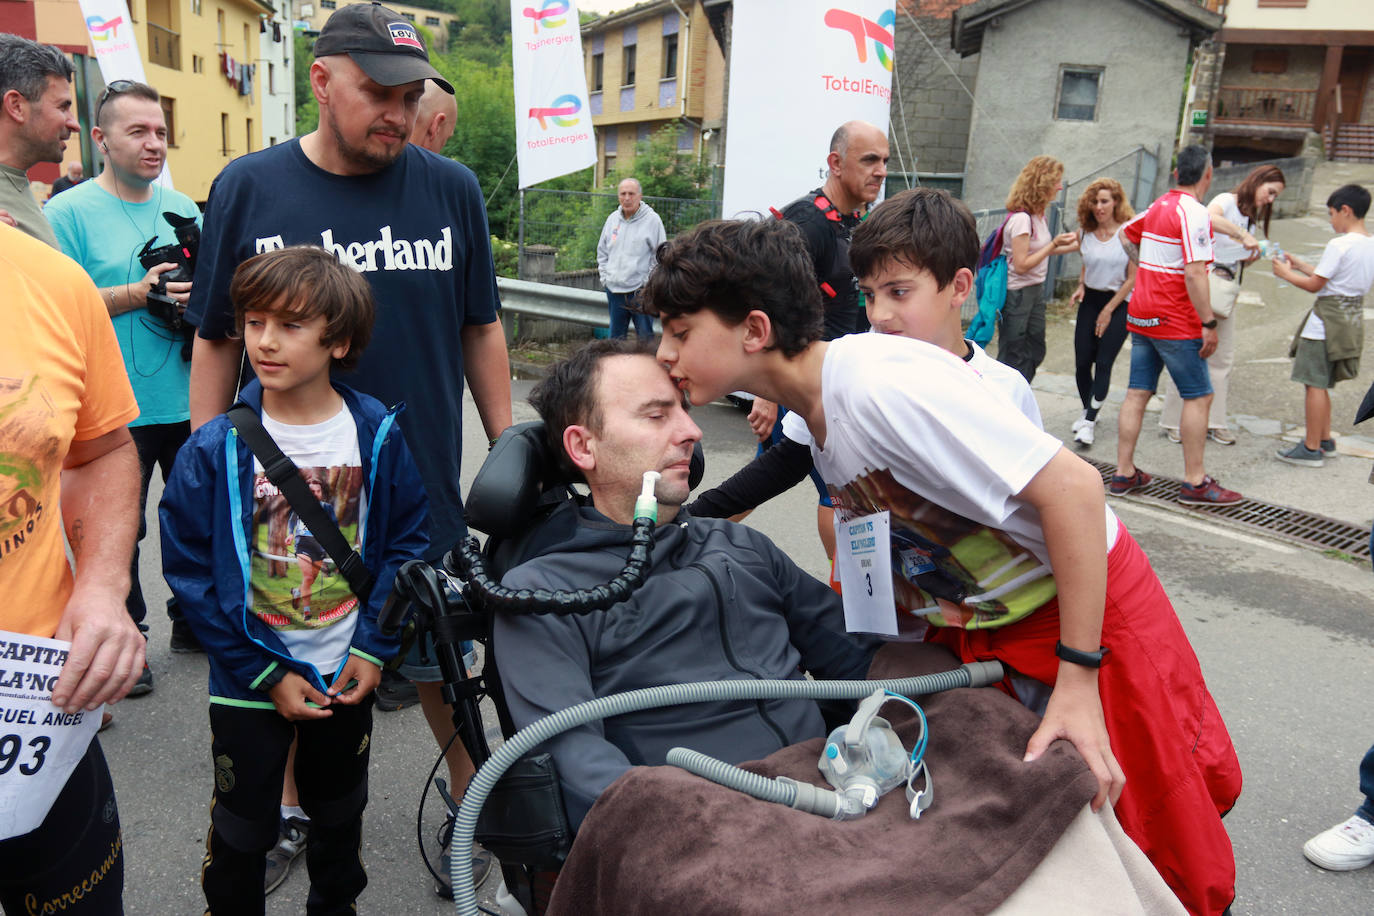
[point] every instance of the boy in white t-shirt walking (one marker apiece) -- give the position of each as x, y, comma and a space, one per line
293, 652
1326, 349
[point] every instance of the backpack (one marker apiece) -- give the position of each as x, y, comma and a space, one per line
990, 286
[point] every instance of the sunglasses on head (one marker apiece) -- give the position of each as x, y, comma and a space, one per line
109, 92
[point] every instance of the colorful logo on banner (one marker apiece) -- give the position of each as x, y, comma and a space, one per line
403, 33
550, 15
862, 30
561, 112
104, 29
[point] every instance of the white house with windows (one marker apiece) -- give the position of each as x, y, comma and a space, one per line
275, 78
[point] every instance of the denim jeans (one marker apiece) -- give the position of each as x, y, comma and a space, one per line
1188, 370
1367, 786
623, 307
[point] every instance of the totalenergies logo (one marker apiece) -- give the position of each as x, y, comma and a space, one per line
550, 15
562, 112
103, 29
862, 30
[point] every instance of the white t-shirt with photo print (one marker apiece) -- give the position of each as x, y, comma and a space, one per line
297, 589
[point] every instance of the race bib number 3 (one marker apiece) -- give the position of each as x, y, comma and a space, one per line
862, 560
40, 744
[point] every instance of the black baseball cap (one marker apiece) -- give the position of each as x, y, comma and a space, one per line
382, 42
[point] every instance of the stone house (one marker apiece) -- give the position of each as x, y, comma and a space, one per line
1092, 90
1281, 70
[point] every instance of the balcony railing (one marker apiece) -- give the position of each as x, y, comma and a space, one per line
1267, 105
164, 46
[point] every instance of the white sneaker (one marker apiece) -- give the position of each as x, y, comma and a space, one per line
1084, 434
1344, 847
1078, 424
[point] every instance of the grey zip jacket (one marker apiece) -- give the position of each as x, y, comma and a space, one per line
721, 602
625, 253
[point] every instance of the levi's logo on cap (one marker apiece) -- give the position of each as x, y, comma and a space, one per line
402, 33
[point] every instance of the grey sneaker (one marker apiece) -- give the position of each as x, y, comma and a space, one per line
183, 640
482, 863
144, 684
1301, 455
291, 840
1328, 448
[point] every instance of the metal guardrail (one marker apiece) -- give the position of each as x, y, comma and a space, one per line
560, 303
545, 300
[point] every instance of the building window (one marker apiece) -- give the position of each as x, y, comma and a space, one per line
1289, 4
197, 64
196, 7
169, 109
598, 71
248, 133
327, 4
669, 56
410, 16
1078, 88
164, 35
224, 133
219, 27
608, 167
629, 75
271, 78
431, 20
1269, 60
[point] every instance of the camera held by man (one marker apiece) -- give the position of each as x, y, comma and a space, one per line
182, 253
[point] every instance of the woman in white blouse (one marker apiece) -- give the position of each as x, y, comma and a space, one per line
1235, 216
1104, 286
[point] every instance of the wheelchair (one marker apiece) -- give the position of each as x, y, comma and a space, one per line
514, 805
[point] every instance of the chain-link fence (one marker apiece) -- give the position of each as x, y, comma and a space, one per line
559, 230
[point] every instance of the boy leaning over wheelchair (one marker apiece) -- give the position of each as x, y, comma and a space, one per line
905, 427
293, 653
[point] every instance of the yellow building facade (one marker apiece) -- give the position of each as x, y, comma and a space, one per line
652, 65
198, 55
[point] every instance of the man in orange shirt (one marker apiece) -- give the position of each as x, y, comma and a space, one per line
67, 463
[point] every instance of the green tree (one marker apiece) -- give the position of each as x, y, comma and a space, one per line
307, 109
665, 171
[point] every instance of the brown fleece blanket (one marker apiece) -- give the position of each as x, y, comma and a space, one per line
663, 840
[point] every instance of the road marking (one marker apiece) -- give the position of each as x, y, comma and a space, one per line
1178, 518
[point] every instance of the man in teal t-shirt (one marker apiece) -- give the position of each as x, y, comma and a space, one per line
103, 224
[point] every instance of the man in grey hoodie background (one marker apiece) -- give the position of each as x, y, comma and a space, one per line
625, 255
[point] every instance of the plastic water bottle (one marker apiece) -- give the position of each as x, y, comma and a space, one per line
1270, 249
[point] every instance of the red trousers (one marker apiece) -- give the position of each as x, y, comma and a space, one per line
1181, 769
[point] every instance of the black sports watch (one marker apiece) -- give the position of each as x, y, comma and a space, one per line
1210, 325
1086, 659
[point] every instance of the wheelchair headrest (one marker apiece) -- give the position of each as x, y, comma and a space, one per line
519, 470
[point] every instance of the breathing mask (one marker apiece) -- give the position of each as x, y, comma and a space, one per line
865, 759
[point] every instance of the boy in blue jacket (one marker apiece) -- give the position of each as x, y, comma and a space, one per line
276, 671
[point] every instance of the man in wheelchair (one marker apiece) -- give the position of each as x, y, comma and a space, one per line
721, 601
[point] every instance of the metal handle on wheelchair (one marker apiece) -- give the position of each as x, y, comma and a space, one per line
466, 561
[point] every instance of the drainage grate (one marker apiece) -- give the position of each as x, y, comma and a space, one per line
1281, 522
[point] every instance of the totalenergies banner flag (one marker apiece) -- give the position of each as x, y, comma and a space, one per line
798, 70
113, 40
553, 121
